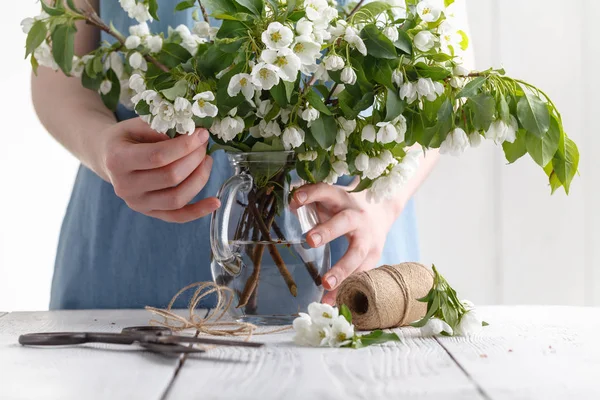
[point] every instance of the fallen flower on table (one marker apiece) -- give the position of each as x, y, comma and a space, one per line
446, 314
327, 326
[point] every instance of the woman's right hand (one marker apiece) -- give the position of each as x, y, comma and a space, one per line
155, 175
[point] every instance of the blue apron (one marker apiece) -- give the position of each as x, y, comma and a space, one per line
110, 256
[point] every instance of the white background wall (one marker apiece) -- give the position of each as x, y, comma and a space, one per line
493, 229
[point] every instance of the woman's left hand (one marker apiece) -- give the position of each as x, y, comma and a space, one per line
342, 213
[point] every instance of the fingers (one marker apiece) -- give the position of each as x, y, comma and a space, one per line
167, 177
189, 213
144, 156
340, 224
178, 197
332, 197
357, 257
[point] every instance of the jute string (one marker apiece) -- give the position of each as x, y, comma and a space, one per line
386, 297
212, 323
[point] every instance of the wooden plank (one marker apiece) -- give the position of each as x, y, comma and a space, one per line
533, 353
460, 233
417, 368
542, 240
80, 372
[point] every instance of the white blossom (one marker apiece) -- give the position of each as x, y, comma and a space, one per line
308, 334
142, 30
351, 36
340, 150
257, 131
387, 132
333, 62
138, 11
308, 156
461, 70
348, 76
475, 139
241, 83
429, 11
183, 116
26, 24
137, 62
230, 127
348, 126
339, 29
271, 129
277, 36
408, 92
310, 114
435, 326
304, 27
424, 41
265, 76
449, 37
391, 32
137, 83
263, 107
401, 128
164, 116
342, 332
368, 133
501, 132
293, 136
133, 42
105, 87
154, 43
397, 77
322, 314
202, 107
287, 63
115, 62
455, 143
361, 162
377, 166
340, 167
306, 49
202, 29
470, 323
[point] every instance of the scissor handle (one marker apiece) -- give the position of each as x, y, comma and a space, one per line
64, 338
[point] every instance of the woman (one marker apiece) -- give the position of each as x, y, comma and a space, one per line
136, 231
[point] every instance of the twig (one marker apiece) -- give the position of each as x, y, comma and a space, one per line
310, 267
204, 13
287, 277
92, 18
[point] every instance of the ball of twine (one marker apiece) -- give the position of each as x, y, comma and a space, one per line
386, 297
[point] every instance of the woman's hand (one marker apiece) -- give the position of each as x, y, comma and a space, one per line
153, 174
342, 213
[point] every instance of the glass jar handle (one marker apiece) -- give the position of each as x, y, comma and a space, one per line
219, 226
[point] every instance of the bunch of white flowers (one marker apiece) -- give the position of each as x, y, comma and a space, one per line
327, 326
446, 315
350, 91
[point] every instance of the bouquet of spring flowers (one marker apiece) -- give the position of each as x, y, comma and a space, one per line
350, 90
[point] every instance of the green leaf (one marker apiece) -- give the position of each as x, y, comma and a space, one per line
63, 47
483, 107
434, 72
184, 5
173, 55
34, 64
142, 108
404, 43
516, 150
394, 107
232, 29
179, 90
220, 6
345, 312
542, 149
111, 100
533, 114
279, 94
431, 310
153, 9
316, 102
53, 12
464, 43
91, 82
254, 6
377, 44
291, 6
364, 184
72, 5
379, 70
212, 61
566, 163
374, 338
35, 37
504, 110
472, 88
324, 130
352, 106
370, 10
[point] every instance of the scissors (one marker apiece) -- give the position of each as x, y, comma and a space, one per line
157, 339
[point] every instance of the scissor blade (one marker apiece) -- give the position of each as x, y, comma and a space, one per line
217, 342
170, 348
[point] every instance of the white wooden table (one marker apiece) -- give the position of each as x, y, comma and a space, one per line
526, 353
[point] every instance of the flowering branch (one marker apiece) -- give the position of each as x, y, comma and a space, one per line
92, 18
204, 13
